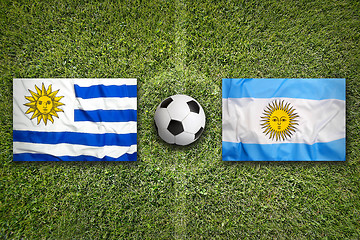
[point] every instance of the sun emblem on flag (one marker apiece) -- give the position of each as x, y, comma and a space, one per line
279, 120
44, 104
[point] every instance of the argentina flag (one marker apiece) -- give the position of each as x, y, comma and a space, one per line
74, 119
283, 120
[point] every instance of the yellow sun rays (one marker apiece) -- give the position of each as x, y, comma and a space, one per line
279, 120
43, 104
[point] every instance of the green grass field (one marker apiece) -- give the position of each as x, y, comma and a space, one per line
185, 47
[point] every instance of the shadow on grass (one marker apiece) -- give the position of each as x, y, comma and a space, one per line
78, 164
285, 163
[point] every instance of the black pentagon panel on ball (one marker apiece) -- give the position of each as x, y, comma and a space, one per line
194, 107
175, 127
197, 135
166, 102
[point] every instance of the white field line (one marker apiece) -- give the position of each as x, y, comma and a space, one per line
180, 218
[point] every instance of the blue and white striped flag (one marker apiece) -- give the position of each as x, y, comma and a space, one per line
283, 120
75, 120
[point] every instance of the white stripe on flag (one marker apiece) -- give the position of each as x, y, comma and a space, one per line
106, 103
319, 120
64, 149
84, 127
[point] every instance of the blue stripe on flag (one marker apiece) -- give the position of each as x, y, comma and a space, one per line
330, 151
105, 115
46, 157
88, 139
97, 91
316, 89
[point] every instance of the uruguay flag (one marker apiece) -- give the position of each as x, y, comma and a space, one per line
74, 119
283, 119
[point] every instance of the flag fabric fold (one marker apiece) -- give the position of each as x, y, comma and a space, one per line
283, 120
75, 120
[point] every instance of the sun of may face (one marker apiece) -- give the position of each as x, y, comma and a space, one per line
279, 120
43, 104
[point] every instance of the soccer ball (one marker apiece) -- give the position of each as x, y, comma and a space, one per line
179, 120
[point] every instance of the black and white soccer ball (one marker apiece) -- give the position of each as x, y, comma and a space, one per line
179, 120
